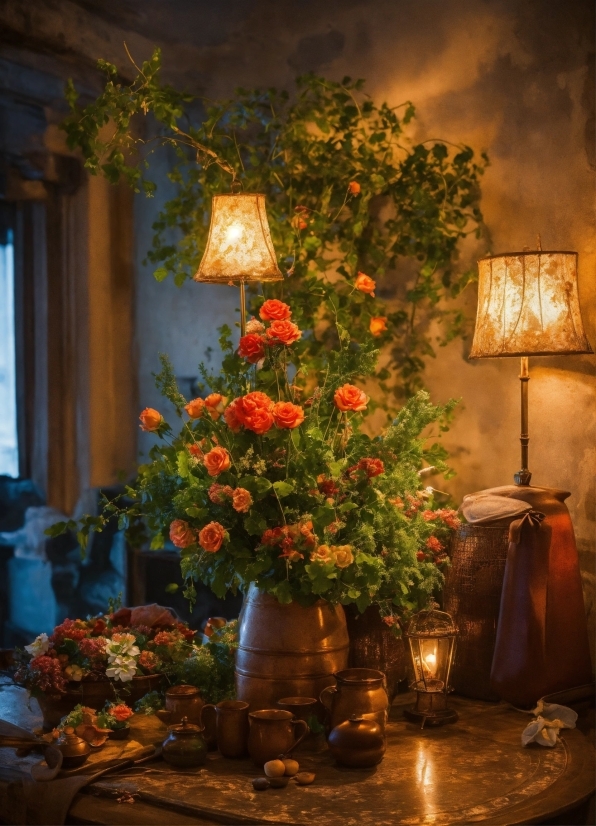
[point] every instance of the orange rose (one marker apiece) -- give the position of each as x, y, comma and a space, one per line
195, 408
349, 397
216, 461
211, 537
181, 534
365, 284
231, 416
195, 451
251, 348
274, 310
150, 420
287, 415
378, 325
283, 332
241, 500
322, 554
254, 412
354, 188
215, 404
121, 712
342, 555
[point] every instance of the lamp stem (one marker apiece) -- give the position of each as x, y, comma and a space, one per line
243, 310
523, 476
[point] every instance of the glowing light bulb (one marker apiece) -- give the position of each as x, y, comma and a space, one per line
234, 232
431, 662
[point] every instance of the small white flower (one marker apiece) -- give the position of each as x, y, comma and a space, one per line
121, 668
39, 646
122, 644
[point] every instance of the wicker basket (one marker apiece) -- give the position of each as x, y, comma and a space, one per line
472, 595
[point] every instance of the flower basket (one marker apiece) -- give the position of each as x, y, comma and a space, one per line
94, 694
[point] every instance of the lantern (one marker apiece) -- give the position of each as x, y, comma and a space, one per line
239, 246
432, 636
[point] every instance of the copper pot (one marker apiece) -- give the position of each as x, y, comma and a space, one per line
287, 650
74, 749
273, 732
357, 742
182, 701
359, 692
185, 746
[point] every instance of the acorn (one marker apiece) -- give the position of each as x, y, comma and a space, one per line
278, 782
292, 767
304, 778
259, 784
274, 768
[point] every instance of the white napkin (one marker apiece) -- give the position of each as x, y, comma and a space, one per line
551, 717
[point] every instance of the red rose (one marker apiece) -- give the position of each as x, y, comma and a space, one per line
349, 397
231, 416
283, 332
181, 534
274, 310
211, 537
121, 712
287, 415
254, 411
251, 348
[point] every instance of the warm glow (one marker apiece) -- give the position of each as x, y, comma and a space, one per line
428, 650
234, 232
239, 246
528, 305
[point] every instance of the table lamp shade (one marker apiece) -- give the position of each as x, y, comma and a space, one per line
528, 305
239, 246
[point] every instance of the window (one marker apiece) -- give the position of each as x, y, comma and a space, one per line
9, 453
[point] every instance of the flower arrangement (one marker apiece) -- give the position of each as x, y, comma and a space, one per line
271, 480
116, 646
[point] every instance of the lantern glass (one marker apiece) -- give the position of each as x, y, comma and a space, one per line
431, 635
239, 246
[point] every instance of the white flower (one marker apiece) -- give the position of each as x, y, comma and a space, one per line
39, 646
122, 644
121, 668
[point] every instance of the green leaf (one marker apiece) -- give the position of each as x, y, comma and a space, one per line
197, 513
283, 488
337, 468
171, 588
182, 464
257, 485
157, 542
160, 274
322, 517
347, 506
254, 524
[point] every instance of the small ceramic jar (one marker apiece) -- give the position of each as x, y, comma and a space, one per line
357, 742
74, 749
185, 746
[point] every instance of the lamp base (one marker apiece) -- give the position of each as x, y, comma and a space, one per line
430, 709
522, 477
430, 718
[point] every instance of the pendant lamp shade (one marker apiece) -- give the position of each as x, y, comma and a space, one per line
239, 246
528, 305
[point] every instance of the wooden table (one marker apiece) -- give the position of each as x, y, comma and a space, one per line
474, 771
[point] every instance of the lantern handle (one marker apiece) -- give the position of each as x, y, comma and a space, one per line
236, 185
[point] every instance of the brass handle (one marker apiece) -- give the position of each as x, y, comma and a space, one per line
325, 697
298, 724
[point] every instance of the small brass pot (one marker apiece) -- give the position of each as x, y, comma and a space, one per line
74, 749
182, 701
185, 746
357, 743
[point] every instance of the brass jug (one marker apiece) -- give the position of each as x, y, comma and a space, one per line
359, 692
181, 701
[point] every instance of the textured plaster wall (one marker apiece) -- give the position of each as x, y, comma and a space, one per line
513, 78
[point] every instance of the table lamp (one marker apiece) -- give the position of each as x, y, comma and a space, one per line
239, 246
528, 306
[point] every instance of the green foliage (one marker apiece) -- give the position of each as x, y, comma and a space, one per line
347, 191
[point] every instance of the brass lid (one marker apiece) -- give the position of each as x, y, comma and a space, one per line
186, 728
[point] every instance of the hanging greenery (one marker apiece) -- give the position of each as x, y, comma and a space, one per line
356, 208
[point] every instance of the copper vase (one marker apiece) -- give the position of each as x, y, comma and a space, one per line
287, 650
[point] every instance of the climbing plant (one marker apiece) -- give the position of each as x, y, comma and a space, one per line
349, 193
